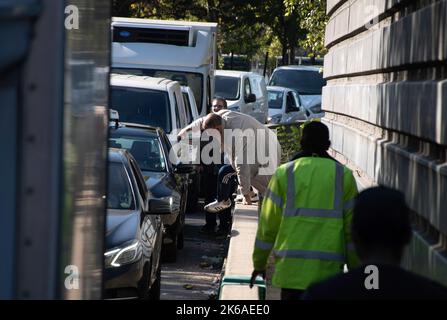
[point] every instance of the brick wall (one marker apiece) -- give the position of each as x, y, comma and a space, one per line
386, 106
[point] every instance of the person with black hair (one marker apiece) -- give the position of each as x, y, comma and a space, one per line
305, 218
381, 229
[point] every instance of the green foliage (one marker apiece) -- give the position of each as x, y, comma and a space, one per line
246, 27
314, 20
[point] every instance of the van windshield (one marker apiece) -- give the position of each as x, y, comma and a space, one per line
142, 106
187, 79
305, 82
227, 87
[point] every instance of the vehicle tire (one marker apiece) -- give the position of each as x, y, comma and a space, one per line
169, 251
143, 284
180, 240
154, 293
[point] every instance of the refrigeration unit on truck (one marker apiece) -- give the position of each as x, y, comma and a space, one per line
178, 50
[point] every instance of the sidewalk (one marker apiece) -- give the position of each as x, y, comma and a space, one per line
239, 261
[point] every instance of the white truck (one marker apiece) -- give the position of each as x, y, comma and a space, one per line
178, 50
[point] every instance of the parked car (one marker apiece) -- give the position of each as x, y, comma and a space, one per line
245, 92
165, 180
190, 104
308, 81
149, 101
285, 106
133, 232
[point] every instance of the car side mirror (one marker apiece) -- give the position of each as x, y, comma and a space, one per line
250, 98
182, 168
159, 206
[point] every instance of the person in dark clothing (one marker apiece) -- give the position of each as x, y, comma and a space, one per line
381, 229
212, 174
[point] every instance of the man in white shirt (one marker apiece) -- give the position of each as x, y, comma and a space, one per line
252, 149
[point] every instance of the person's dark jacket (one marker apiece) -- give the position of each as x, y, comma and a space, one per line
394, 283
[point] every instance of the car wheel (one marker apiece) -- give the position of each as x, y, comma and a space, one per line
154, 293
169, 251
143, 284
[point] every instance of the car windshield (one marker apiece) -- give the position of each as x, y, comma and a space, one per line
187, 79
142, 106
227, 87
275, 99
145, 149
119, 192
303, 81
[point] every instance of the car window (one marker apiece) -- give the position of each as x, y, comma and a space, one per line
142, 189
275, 99
290, 103
119, 190
256, 86
303, 81
145, 149
142, 106
247, 87
177, 114
189, 116
227, 87
298, 99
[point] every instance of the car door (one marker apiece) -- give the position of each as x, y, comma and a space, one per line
247, 108
258, 88
151, 226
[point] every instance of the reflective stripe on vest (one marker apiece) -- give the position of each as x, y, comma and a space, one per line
263, 245
307, 254
336, 212
274, 198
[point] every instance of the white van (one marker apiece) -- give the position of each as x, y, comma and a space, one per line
150, 101
244, 91
178, 50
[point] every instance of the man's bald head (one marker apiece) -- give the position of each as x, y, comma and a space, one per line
212, 121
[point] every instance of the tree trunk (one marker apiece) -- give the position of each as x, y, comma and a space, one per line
292, 55
284, 54
266, 61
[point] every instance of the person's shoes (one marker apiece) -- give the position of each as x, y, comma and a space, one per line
207, 229
217, 206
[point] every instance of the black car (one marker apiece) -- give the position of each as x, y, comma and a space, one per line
133, 232
166, 181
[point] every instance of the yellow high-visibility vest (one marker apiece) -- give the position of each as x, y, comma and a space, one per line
306, 219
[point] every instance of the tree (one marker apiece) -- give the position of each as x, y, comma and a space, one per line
314, 20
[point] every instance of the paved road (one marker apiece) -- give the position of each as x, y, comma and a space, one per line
198, 265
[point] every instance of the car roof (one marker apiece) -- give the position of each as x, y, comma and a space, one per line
131, 128
300, 67
233, 73
117, 155
128, 80
279, 88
